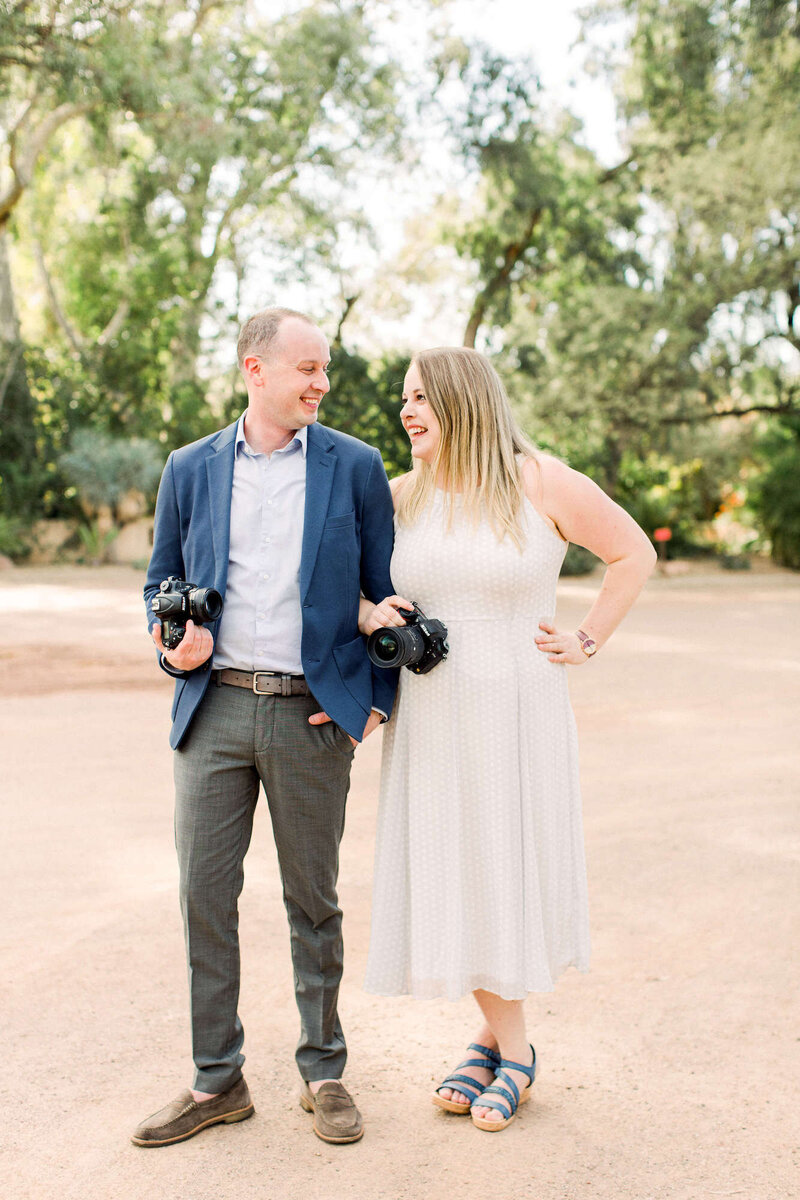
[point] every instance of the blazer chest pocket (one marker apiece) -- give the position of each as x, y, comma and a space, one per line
345, 521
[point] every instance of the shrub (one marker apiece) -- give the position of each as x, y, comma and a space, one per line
103, 469
579, 561
14, 536
95, 542
775, 495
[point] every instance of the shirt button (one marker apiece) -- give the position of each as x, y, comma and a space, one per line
261, 616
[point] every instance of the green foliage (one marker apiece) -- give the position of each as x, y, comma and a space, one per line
775, 495
365, 401
709, 91
22, 476
96, 542
103, 468
654, 297
186, 149
181, 164
578, 561
683, 494
14, 536
542, 221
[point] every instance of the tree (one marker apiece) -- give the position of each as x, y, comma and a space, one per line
365, 401
203, 136
775, 496
39, 93
543, 208
708, 94
662, 293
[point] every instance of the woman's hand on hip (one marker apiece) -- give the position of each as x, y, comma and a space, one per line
560, 647
383, 614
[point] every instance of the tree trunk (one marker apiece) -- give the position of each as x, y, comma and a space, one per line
499, 280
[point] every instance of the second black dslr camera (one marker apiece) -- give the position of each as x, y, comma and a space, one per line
418, 645
178, 602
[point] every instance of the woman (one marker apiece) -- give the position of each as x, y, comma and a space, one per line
479, 879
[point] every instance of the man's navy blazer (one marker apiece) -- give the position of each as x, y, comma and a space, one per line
347, 547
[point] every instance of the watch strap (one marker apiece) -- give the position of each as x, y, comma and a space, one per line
588, 645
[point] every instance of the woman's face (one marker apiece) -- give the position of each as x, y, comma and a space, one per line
418, 419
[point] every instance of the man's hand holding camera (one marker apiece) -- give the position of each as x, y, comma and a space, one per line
180, 633
191, 652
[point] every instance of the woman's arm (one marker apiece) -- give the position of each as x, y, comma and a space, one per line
584, 514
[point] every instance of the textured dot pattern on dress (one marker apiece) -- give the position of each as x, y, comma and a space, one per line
480, 879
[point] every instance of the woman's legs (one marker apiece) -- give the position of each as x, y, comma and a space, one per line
505, 1020
503, 1030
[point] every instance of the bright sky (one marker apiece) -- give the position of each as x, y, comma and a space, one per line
548, 32
545, 30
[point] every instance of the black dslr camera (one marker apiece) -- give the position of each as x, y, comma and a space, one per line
178, 602
419, 644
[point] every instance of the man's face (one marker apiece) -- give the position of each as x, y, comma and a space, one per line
292, 379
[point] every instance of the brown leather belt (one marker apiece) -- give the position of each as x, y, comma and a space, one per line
263, 683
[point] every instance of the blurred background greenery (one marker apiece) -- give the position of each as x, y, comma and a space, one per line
169, 168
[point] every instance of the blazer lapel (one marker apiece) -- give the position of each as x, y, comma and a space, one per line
320, 466
219, 473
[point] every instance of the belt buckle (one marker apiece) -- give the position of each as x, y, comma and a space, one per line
256, 674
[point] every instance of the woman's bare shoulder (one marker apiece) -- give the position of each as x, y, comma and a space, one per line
544, 472
542, 481
396, 484
535, 470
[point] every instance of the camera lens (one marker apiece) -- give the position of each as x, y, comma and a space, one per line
205, 604
386, 647
396, 647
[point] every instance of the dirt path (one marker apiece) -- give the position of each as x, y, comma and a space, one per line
668, 1072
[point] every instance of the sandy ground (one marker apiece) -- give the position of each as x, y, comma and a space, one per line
670, 1070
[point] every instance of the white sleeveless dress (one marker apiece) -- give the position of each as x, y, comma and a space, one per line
480, 879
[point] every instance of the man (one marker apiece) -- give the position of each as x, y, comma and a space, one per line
290, 522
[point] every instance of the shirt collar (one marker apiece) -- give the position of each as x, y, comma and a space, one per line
300, 440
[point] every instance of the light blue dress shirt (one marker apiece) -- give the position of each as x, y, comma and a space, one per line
261, 626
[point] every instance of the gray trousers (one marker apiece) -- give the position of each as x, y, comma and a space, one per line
236, 741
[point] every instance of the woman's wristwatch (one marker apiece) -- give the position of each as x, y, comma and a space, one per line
588, 645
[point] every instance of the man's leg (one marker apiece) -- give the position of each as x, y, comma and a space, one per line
306, 774
216, 789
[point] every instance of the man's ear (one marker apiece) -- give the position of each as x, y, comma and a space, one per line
253, 370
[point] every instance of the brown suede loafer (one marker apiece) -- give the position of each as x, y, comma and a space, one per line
185, 1116
336, 1118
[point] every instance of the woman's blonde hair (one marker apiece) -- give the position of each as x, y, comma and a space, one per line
479, 444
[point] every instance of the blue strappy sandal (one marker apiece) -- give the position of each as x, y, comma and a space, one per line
489, 1059
508, 1092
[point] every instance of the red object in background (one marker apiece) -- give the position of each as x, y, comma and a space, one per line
663, 534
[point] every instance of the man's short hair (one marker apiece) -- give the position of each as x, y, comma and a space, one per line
258, 334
